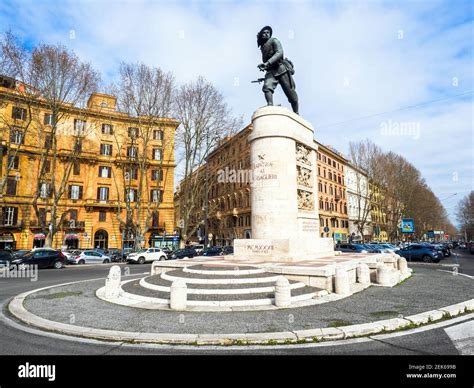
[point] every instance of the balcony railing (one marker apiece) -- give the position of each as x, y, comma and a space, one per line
101, 203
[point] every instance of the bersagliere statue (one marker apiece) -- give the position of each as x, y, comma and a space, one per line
279, 70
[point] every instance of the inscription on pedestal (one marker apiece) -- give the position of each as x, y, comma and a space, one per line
264, 174
259, 249
310, 226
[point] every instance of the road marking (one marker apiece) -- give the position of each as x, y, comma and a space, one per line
462, 337
457, 273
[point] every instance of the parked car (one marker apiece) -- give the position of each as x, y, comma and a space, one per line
43, 258
471, 247
183, 254
212, 251
421, 252
353, 248
199, 248
91, 257
228, 250
6, 257
115, 254
20, 252
146, 255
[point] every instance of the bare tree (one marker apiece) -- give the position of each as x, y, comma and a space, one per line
53, 78
465, 216
145, 94
205, 118
403, 191
363, 156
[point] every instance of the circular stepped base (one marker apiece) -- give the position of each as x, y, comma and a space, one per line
217, 286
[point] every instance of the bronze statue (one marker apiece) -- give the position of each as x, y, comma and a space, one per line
279, 70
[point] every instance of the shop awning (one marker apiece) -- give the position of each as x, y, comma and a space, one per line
39, 236
6, 238
72, 236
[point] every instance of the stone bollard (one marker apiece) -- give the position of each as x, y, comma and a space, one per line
342, 282
402, 266
282, 292
155, 268
363, 274
384, 275
178, 295
112, 283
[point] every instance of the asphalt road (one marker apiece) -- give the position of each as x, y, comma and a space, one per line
437, 340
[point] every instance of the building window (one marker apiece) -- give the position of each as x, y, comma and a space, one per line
105, 172
44, 190
155, 217
102, 193
18, 113
13, 162
107, 129
48, 119
11, 185
79, 126
16, 136
132, 152
47, 141
76, 168
75, 192
106, 149
47, 166
157, 153
10, 216
155, 195
156, 175
78, 145
132, 132
102, 216
131, 173
131, 195
157, 134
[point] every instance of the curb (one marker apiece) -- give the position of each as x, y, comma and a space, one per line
16, 308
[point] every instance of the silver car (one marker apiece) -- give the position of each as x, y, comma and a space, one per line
91, 257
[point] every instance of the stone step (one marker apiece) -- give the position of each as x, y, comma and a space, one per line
303, 293
159, 284
195, 278
223, 270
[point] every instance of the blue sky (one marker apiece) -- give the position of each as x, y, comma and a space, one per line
352, 60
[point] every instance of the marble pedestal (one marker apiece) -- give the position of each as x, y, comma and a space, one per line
285, 217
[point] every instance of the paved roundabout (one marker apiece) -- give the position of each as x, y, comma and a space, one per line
74, 309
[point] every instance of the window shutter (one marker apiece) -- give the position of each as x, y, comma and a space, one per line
102, 149
70, 192
80, 192
15, 215
98, 193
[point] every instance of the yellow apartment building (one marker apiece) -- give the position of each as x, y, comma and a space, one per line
332, 199
105, 147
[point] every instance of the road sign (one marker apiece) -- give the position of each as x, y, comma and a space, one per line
408, 225
326, 229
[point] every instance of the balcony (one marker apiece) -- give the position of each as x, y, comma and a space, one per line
71, 225
160, 226
97, 203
